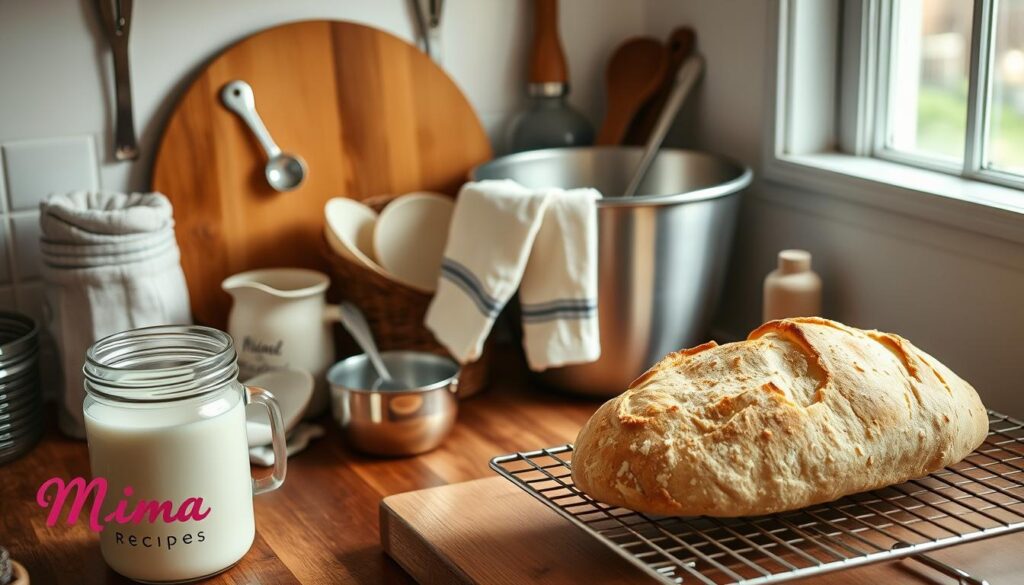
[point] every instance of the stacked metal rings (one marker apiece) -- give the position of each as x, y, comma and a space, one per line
21, 397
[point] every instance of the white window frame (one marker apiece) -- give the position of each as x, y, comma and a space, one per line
825, 134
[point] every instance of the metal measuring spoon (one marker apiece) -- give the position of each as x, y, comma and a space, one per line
284, 171
353, 320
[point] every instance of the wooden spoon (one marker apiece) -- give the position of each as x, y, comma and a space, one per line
681, 43
636, 70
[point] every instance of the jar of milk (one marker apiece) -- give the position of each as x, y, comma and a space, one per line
165, 422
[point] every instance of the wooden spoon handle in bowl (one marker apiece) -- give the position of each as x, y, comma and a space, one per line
681, 44
636, 70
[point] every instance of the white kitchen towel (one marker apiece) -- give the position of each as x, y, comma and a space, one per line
110, 263
489, 240
558, 295
504, 236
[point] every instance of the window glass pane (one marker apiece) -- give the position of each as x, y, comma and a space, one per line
928, 78
1006, 146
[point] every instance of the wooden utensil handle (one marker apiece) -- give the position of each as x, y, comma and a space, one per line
681, 44
547, 60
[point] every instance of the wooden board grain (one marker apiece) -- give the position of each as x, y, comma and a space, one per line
490, 531
368, 112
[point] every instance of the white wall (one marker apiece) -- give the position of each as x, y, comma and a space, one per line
956, 294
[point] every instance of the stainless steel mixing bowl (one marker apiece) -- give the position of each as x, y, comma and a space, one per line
395, 422
662, 254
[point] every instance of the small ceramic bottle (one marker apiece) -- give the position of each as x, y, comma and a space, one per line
792, 289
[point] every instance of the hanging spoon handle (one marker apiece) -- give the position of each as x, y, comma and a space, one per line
238, 97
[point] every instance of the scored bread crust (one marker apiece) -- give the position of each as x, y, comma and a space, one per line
804, 411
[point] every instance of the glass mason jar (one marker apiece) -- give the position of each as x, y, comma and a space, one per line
165, 423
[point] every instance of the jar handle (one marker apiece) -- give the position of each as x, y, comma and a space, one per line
279, 443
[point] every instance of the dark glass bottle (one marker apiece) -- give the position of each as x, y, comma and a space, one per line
548, 119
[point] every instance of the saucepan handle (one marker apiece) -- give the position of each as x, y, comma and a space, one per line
269, 483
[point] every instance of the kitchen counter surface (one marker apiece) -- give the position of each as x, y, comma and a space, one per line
322, 525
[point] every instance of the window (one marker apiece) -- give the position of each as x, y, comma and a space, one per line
951, 85
927, 78
1006, 124
936, 85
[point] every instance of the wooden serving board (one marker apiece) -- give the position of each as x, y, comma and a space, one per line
369, 113
490, 531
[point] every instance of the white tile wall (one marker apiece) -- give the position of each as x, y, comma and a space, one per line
33, 169
36, 168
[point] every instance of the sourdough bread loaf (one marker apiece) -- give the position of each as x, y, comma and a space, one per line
804, 411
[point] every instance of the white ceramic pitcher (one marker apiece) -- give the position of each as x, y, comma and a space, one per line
280, 319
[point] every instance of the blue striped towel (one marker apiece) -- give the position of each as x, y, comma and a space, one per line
543, 242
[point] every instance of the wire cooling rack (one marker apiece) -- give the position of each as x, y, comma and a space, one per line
980, 497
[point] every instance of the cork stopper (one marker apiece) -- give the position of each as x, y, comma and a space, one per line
794, 261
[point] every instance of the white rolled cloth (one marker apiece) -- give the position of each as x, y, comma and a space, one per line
489, 240
110, 262
87, 216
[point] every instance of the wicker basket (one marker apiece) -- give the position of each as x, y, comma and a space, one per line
396, 312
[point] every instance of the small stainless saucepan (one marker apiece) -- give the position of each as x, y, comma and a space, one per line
395, 422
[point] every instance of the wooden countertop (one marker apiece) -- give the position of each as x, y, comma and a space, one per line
322, 526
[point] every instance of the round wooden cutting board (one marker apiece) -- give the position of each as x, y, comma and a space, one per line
368, 112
